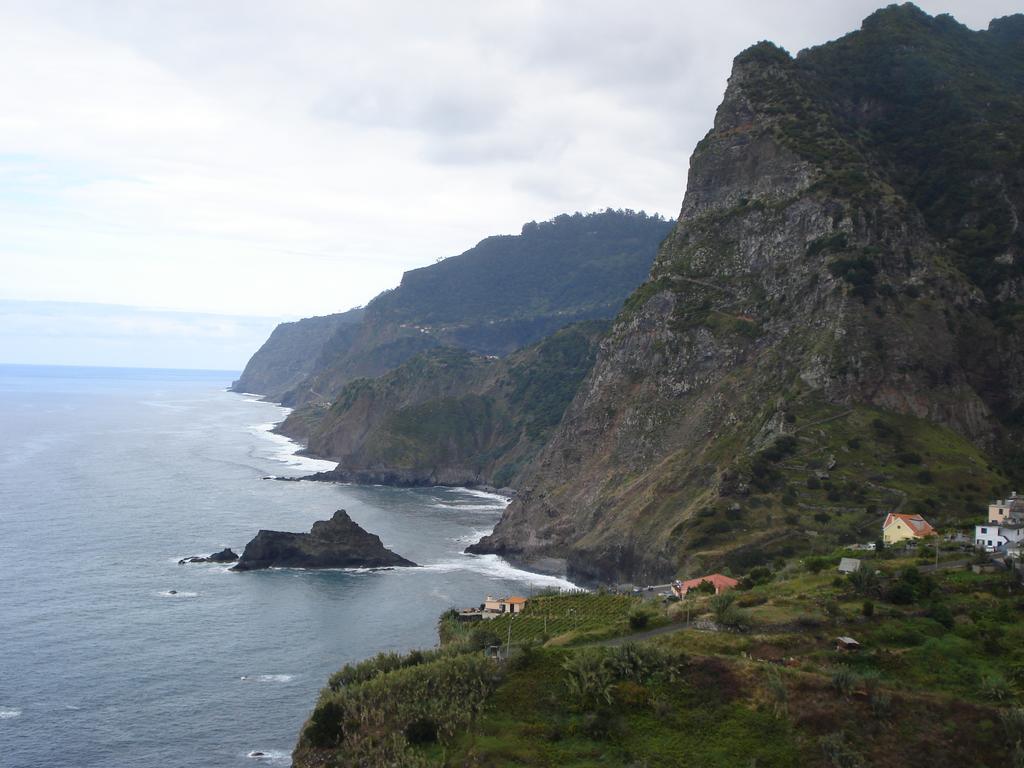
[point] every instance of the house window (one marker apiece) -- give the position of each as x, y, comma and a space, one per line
984, 530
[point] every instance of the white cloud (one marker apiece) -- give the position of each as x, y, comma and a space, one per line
60, 333
273, 158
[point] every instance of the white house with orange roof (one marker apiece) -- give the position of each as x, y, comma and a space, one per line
897, 528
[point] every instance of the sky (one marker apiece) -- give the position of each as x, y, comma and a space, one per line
266, 161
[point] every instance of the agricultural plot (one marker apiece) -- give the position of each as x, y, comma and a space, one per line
548, 616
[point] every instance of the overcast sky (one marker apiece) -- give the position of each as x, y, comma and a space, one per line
283, 159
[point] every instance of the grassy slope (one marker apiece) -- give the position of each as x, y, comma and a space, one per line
875, 461
933, 685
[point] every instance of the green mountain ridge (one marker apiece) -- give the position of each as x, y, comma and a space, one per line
840, 297
501, 295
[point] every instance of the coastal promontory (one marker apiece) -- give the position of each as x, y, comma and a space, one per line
336, 543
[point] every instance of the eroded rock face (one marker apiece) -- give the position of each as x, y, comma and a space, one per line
797, 274
335, 543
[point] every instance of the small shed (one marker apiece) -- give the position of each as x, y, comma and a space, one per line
845, 643
849, 565
515, 604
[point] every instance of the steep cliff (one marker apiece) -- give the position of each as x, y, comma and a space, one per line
833, 328
450, 417
503, 294
289, 356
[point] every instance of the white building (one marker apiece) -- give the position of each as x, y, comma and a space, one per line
1005, 526
992, 537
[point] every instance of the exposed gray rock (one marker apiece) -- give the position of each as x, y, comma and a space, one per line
224, 556
335, 543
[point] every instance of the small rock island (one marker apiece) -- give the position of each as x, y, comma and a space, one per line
335, 543
224, 556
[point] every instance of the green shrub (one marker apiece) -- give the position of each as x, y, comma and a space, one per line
844, 681
759, 575
482, 636
325, 727
422, 730
1013, 725
720, 604
815, 564
900, 593
778, 694
864, 581
940, 612
437, 698
639, 618
589, 679
995, 687
838, 753
881, 703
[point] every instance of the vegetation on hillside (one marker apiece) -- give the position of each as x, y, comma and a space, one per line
566, 266
942, 106
448, 408
833, 475
936, 682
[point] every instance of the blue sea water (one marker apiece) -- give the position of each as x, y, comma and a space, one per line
107, 478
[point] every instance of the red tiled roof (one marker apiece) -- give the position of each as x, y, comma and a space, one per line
718, 580
917, 524
516, 600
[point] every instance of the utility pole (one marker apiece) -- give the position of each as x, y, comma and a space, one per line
508, 643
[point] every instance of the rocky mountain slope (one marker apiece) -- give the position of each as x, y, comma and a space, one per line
834, 327
289, 356
448, 416
503, 294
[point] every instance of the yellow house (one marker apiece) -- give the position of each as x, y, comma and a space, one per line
897, 528
493, 604
504, 604
1005, 510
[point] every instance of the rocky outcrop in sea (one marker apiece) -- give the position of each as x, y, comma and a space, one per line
336, 543
224, 556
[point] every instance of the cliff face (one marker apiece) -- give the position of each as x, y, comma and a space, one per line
289, 356
449, 417
503, 294
809, 315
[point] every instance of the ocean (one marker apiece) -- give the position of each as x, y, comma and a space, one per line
107, 478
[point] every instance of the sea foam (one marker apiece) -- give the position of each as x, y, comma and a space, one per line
285, 450
271, 756
497, 569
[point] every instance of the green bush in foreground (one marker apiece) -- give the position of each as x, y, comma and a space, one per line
376, 715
